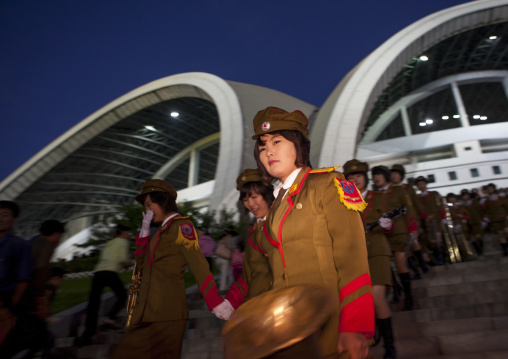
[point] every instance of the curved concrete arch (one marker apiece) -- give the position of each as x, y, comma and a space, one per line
194, 84
340, 122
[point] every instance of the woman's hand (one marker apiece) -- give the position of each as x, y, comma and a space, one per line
224, 310
385, 223
355, 344
147, 220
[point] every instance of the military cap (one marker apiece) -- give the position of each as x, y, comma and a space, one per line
420, 178
400, 169
273, 119
155, 185
380, 169
355, 166
248, 175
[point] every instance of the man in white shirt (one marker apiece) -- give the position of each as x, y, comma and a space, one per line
114, 256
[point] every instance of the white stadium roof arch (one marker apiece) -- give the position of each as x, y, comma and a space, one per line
342, 119
99, 164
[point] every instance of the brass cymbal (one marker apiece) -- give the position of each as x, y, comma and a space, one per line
276, 320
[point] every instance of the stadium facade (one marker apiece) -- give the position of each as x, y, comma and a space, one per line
434, 97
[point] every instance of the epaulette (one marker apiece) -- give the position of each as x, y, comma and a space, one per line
182, 217
349, 195
324, 169
187, 235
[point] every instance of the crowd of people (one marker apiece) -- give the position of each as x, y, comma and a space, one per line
312, 227
28, 283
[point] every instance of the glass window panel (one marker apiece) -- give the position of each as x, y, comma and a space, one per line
208, 163
452, 175
474, 172
496, 170
485, 102
434, 113
393, 130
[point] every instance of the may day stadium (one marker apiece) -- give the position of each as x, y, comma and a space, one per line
433, 97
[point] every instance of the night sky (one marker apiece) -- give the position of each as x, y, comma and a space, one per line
62, 60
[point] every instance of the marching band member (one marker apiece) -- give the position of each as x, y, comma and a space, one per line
160, 313
378, 249
313, 233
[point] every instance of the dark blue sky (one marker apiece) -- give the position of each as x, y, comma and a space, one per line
61, 60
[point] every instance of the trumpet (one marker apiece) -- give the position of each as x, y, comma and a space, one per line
133, 294
451, 241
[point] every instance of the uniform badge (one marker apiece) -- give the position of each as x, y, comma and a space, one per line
293, 188
187, 236
349, 195
265, 126
188, 231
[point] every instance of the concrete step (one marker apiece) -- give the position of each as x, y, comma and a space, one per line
195, 348
449, 327
462, 288
473, 298
450, 313
503, 354
456, 344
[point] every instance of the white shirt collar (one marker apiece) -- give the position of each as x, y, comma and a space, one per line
288, 183
364, 193
168, 218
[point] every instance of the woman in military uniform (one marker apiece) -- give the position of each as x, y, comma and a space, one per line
160, 313
404, 226
496, 209
474, 220
256, 277
313, 233
378, 249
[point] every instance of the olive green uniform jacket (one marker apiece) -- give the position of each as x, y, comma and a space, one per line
162, 261
404, 224
377, 244
256, 277
313, 238
495, 209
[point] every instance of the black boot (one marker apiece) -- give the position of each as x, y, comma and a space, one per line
421, 261
504, 247
406, 284
377, 336
481, 246
411, 264
477, 248
387, 332
397, 290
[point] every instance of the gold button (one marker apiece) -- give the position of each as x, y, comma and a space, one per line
299, 206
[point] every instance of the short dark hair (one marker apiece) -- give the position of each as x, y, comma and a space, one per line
378, 170
302, 146
12, 206
362, 173
266, 191
166, 202
121, 228
402, 175
51, 226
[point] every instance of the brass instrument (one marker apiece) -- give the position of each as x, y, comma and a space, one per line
283, 323
133, 294
449, 234
279, 321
